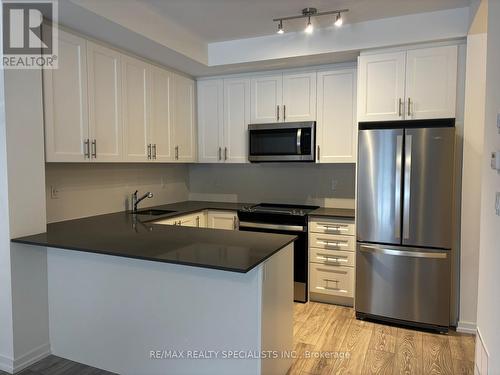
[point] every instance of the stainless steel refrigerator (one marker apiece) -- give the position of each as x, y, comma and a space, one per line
404, 222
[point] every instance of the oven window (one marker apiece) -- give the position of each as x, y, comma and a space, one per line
279, 142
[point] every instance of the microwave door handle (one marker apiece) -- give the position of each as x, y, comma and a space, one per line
299, 141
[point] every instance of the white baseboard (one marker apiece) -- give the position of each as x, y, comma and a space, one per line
466, 327
31, 357
6, 364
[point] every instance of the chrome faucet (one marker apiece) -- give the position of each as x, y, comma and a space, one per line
136, 201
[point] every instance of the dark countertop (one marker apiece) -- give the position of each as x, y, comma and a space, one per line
345, 213
126, 235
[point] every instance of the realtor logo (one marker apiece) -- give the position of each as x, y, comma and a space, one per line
29, 34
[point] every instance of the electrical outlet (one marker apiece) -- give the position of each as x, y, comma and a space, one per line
54, 192
497, 204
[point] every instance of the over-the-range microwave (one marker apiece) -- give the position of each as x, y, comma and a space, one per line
282, 142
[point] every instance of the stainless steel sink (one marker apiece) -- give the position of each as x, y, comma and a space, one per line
153, 212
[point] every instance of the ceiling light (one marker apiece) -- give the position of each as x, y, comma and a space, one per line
338, 20
309, 28
309, 13
280, 27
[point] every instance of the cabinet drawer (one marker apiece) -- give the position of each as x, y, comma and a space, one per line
332, 242
332, 257
333, 226
333, 280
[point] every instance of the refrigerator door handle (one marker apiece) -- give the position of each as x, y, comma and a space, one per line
403, 253
397, 191
407, 188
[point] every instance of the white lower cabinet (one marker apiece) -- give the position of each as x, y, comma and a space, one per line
222, 220
332, 260
214, 219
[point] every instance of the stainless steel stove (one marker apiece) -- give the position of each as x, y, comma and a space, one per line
284, 219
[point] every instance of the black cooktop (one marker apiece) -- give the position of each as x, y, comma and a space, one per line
280, 209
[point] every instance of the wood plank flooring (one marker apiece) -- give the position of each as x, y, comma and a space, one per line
361, 347
355, 347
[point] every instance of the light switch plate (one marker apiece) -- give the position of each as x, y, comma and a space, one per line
495, 160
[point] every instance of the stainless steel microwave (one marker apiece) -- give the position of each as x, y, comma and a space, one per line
282, 142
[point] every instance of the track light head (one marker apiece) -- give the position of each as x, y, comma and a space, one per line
309, 28
338, 20
280, 27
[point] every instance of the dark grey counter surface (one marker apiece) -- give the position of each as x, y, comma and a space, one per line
345, 213
136, 236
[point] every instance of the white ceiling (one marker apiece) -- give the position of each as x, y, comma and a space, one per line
221, 20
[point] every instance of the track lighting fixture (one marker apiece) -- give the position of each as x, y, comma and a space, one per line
280, 27
308, 13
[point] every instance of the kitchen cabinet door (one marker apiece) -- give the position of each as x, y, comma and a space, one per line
336, 126
136, 116
222, 220
266, 99
184, 124
236, 119
299, 96
161, 115
431, 82
105, 101
210, 120
65, 103
381, 87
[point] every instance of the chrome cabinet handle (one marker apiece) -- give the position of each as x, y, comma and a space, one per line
338, 228
403, 253
277, 112
284, 112
407, 188
198, 221
176, 152
149, 151
336, 243
400, 107
94, 149
235, 223
329, 259
299, 141
220, 153
225, 153
409, 106
397, 192
318, 153
86, 149
154, 151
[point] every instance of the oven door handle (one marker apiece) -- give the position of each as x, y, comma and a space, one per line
290, 228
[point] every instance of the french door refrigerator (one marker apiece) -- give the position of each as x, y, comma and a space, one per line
404, 222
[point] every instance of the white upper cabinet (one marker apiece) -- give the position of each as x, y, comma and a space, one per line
431, 82
283, 97
267, 97
210, 120
381, 87
136, 118
414, 84
184, 124
299, 96
161, 115
223, 118
336, 126
65, 103
236, 119
105, 100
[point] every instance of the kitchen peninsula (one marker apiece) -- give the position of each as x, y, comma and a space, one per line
126, 293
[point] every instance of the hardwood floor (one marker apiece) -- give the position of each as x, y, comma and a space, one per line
361, 347
355, 347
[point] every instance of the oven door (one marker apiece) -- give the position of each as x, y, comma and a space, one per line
282, 142
300, 257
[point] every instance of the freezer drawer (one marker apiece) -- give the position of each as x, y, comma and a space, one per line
410, 284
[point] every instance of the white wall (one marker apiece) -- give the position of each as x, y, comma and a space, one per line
93, 189
488, 310
472, 162
329, 185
